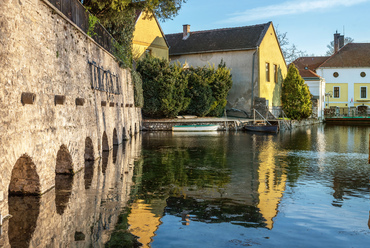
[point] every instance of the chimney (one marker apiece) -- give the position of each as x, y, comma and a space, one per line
186, 31
336, 41
341, 41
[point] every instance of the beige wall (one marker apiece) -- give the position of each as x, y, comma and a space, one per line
240, 63
44, 54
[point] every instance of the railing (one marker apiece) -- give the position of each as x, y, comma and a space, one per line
284, 121
77, 13
359, 111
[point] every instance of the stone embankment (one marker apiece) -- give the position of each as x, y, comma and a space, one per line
229, 124
63, 98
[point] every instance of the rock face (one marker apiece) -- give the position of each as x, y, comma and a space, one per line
53, 80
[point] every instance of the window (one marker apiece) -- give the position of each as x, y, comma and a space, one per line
268, 72
363, 92
336, 92
275, 74
148, 51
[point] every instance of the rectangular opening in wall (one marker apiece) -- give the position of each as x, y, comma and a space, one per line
336, 93
363, 91
267, 72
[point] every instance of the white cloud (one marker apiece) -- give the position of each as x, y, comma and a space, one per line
289, 8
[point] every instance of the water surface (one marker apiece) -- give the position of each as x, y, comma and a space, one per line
305, 188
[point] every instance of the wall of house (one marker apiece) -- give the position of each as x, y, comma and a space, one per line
148, 36
349, 80
240, 63
269, 52
317, 88
45, 55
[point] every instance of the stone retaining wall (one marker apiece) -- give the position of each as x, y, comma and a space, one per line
47, 104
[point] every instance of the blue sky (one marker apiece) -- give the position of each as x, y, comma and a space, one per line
310, 25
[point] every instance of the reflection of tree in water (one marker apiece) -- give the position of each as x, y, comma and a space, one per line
216, 211
63, 190
174, 168
25, 211
89, 173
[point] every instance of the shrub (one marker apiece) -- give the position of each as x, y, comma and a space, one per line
164, 87
138, 89
199, 91
295, 97
169, 89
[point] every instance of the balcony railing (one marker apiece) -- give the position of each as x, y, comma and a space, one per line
359, 111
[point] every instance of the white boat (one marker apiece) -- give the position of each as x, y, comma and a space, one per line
195, 128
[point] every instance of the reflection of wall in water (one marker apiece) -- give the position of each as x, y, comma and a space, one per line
85, 216
272, 181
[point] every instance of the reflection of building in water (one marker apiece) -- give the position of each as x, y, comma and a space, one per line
81, 213
272, 181
144, 219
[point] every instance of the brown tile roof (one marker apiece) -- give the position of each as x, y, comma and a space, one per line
351, 55
307, 65
226, 39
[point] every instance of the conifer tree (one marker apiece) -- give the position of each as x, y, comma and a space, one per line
296, 97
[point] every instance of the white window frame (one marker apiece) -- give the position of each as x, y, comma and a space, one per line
361, 92
334, 92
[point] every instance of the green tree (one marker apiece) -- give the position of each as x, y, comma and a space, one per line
118, 17
220, 86
199, 91
138, 89
163, 87
296, 97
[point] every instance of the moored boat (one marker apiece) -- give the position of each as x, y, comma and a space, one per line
262, 128
195, 128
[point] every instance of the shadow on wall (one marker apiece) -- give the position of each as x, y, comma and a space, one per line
152, 49
276, 95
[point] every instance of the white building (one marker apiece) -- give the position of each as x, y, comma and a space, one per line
347, 76
307, 69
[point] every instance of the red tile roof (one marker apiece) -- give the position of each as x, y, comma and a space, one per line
307, 65
351, 55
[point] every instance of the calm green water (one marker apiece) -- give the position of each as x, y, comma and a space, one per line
305, 188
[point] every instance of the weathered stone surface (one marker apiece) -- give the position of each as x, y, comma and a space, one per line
45, 54
53, 219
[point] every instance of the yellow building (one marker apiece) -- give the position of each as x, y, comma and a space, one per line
148, 37
252, 53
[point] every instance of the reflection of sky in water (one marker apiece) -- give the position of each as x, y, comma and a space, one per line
310, 186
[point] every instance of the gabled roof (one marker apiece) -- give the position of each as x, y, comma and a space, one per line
307, 65
226, 39
351, 55
139, 12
